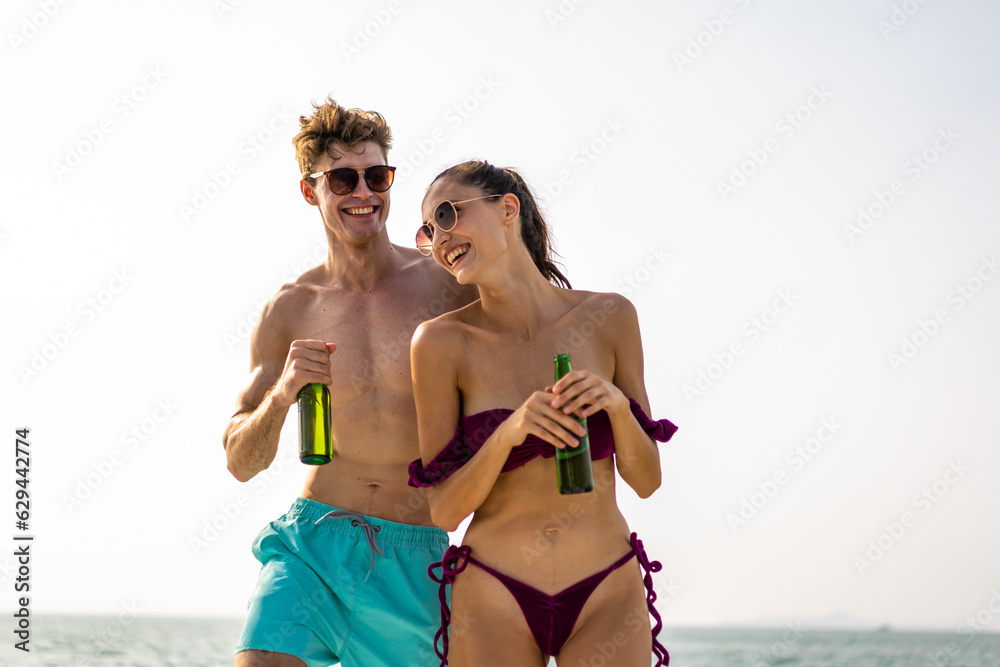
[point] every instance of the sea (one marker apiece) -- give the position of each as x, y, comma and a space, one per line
95, 641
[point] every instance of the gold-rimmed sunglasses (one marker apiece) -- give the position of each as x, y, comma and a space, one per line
445, 219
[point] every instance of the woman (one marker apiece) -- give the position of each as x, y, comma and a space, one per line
554, 575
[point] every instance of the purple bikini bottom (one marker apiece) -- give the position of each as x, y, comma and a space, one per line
550, 617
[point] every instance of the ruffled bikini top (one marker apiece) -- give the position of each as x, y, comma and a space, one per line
475, 429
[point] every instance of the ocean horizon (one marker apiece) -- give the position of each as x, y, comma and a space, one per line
146, 641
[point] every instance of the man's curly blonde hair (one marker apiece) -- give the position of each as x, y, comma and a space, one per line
331, 124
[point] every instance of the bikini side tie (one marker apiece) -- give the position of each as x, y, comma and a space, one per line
648, 566
452, 564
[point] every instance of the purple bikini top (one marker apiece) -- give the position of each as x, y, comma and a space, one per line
475, 429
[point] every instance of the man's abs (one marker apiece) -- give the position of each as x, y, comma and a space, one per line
372, 490
374, 440
373, 415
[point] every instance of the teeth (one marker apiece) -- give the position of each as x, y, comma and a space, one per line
364, 210
455, 254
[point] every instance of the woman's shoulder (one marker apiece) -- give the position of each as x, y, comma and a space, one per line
603, 306
584, 296
447, 328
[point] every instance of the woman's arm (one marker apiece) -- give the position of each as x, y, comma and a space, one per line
636, 455
434, 364
435, 359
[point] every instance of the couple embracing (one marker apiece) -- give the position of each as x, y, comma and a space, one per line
437, 419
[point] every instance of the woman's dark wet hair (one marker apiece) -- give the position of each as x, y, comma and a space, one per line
534, 232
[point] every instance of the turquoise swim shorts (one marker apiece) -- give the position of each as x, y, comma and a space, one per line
339, 587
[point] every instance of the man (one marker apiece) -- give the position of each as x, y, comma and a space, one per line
344, 572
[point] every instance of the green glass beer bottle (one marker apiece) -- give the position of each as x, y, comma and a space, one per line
573, 467
315, 443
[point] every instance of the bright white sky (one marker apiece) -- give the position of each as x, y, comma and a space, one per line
136, 311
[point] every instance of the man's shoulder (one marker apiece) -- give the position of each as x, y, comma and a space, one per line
412, 264
289, 305
432, 281
273, 330
290, 298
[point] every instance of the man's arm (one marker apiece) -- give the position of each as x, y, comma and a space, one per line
251, 437
280, 370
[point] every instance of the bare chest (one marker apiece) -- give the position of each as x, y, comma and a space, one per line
501, 371
372, 333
